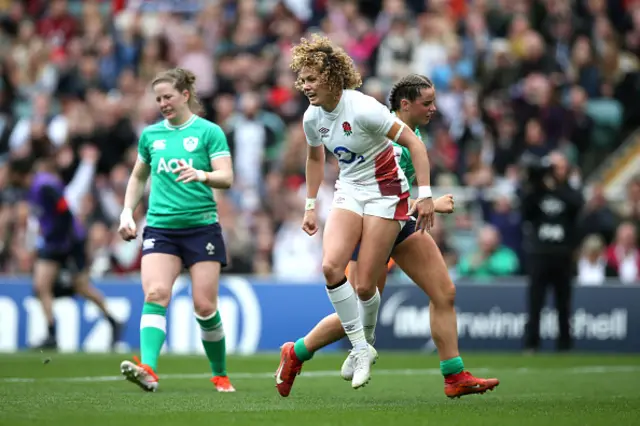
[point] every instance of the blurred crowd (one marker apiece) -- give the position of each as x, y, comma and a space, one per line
512, 76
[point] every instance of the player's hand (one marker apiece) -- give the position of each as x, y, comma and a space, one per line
309, 223
89, 153
444, 204
127, 228
426, 211
187, 174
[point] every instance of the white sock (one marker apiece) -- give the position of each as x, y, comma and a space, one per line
345, 302
369, 315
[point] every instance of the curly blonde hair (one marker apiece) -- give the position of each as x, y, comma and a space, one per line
181, 80
335, 67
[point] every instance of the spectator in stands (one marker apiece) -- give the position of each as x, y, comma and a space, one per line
579, 127
394, 53
40, 116
597, 216
58, 26
441, 238
629, 209
512, 76
623, 254
593, 268
296, 256
507, 220
491, 259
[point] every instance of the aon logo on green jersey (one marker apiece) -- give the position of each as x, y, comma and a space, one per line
168, 166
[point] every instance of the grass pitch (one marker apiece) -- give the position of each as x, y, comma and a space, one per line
406, 389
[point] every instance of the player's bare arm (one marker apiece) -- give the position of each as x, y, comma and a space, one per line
424, 203
445, 204
314, 169
132, 197
136, 184
222, 175
220, 178
419, 157
314, 175
442, 205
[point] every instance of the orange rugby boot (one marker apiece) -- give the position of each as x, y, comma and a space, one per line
222, 384
288, 369
464, 383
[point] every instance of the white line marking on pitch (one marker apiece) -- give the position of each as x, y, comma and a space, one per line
592, 369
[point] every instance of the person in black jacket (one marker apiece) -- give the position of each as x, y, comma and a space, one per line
550, 209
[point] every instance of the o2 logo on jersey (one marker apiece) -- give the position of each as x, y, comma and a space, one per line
346, 156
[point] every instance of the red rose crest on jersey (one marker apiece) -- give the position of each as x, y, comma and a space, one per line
346, 126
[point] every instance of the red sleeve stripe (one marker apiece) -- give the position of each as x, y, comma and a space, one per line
62, 206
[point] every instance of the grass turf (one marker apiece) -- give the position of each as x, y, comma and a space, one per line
406, 388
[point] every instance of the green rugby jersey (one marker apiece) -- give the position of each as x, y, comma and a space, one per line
172, 204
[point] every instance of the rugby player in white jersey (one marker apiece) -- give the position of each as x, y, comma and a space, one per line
412, 99
370, 204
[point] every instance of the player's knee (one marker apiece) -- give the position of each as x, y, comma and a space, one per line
42, 289
446, 297
204, 308
333, 272
367, 281
159, 294
365, 290
81, 282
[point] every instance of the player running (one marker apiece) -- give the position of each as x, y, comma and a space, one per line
413, 100
186, 156
61, 244
370, 204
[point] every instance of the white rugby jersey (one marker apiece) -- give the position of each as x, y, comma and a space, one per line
356, 133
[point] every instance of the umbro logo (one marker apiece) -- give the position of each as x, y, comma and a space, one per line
324, 132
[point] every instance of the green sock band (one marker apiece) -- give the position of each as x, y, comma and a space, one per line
301, 350
153, 331
153, 309
213, 341
451, 366
210, 323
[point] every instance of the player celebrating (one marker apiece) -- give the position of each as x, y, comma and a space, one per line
183, 228
61, 244
371, 199
413, 100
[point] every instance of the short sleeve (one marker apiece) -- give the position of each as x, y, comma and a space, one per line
143, 149
310, 131
375, 119
217, 145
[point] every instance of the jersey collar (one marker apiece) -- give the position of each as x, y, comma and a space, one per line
183, 126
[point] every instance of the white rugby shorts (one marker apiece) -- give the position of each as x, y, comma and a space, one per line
369, 201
